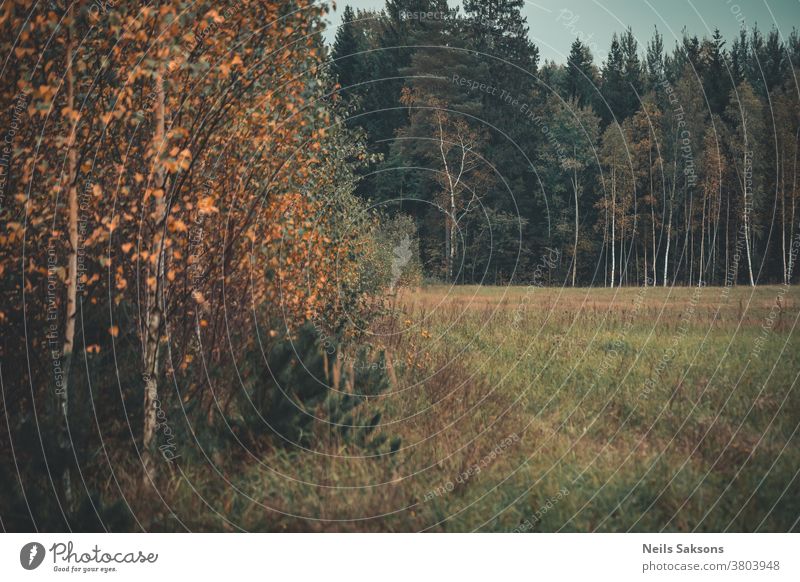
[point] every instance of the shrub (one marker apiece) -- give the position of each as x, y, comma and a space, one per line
310, 390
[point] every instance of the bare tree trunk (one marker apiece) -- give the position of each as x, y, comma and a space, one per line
605, 244
783, 218
714, 241
452, 186
747, 222
613, 222
727, 236
453, 240
690, 239
154, 314
653, 223
669, 239
646, 268
794, 197
448, 225
575, 248
669, 223
702, 244
72, 262
622, 264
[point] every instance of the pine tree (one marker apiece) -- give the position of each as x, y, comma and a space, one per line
348, 64
773, 62
756, 57
613, 83
739, 57
654, 69
580, 81
500, 29
716, 84
631, 74
793, 49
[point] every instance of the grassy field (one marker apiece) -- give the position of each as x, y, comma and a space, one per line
535, 409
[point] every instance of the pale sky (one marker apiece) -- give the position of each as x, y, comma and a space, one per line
554, 24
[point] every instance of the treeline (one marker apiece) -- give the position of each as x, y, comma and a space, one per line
176, 201
656, 166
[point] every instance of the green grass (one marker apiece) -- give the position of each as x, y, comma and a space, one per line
629, 409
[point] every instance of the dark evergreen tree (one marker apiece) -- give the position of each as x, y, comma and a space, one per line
716, 81
350, 66
631, 74
774, 60
499, 28
498, 32
739, 56
756, 55
580, 81
691, 50
613, 83
654, 70
793, 49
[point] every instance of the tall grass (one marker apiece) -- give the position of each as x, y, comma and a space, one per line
560, 410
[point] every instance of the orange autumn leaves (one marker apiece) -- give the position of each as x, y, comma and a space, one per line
222, 214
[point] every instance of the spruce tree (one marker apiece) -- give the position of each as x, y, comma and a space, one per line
613, 83
739, 55
773, 64
580, 82
654, 70
716, 83
631, 74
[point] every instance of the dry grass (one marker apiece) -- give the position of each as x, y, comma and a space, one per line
654, 408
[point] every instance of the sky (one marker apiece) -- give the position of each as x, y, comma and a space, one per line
554, 24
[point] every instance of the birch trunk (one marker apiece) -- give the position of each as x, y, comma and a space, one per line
791, 237
727, 237
453, 241
154, 314
72, 261
613, 223
575, 247
653, 224
702, 244
669, 235
783, 219
747, 223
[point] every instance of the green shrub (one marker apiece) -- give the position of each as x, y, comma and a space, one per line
294, 400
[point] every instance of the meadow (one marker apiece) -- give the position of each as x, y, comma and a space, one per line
545, 409
222, 225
